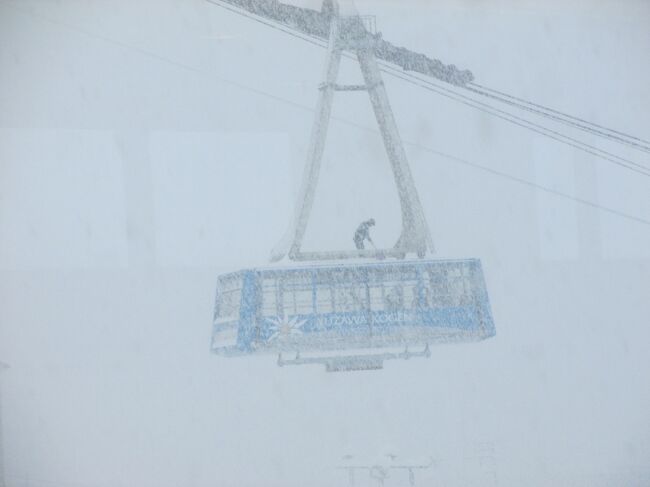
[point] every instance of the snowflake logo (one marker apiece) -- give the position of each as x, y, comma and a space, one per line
285, 327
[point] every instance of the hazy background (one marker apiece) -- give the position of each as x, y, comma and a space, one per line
147, 146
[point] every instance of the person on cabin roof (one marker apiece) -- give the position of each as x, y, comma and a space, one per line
363, 233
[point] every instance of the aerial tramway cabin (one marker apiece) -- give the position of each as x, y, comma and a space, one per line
372, 306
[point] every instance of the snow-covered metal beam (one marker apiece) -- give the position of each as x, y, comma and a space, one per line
317, 23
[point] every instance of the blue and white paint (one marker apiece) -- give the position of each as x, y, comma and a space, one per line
367, 306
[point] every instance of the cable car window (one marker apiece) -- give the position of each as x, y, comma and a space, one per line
350, 298
304, 303
436, 293
454, 272
376, 298
394, 297
269, 297
458, 288
343, 299
288, 302
324, 299
411, 295
229, 303
229, 297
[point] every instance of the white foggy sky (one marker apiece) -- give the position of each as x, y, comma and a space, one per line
145, 147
